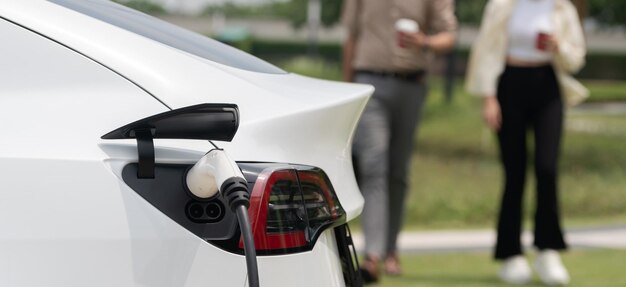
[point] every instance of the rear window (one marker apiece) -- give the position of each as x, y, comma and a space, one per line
168, 34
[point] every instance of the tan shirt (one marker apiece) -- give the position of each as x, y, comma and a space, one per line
488, 56
372, 22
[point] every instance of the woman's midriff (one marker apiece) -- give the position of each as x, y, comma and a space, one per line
522, 63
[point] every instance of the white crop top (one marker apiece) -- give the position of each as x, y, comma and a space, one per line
530, 17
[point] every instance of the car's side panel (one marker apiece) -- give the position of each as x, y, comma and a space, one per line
66, 218
62, 227
57, 102
327, 111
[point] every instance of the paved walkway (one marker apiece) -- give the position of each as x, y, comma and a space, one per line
612, 237
579, 121
606, 108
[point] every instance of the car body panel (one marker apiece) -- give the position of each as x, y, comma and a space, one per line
67, 217
179, 79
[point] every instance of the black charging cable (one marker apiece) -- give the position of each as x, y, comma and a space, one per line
235, 190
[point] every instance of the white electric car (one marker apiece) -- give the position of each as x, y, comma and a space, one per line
103, 110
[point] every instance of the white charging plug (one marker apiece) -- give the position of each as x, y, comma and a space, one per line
207, 176
217, 172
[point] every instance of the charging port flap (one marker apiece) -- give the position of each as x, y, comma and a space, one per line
199, 122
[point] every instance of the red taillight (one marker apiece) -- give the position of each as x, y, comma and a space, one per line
290, 207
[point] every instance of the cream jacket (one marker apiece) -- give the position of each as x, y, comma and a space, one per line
488, 55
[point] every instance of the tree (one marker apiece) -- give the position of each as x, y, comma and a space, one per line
608, 12
470, 11
331, 11
295, 11
145, 6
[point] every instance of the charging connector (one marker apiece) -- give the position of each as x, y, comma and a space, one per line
209, 174
217, 172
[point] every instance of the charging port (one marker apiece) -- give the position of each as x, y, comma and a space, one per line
205, 212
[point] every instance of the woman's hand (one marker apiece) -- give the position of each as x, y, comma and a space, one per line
551, 44
491, 113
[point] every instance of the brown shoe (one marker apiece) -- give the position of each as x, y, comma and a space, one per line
369, 269
392, 265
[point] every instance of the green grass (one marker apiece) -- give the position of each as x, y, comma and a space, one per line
587, 268
602, 91
315, 68
456, 175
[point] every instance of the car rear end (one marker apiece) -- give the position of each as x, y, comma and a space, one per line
293, 146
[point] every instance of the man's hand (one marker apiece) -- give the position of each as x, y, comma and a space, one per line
440, 43
492, 113
413, 40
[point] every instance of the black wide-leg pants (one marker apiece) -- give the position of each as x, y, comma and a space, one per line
529, 98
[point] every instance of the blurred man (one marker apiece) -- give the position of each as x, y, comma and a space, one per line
387, 47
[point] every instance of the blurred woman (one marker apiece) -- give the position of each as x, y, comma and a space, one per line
520, 64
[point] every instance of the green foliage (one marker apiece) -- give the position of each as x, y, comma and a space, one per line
231, 10
470, 11
608, 12
296, 11
279, 51
598, 65
293, 10
145, 6
604, 66
331, 11
318, 68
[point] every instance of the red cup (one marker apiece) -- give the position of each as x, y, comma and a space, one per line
542, 41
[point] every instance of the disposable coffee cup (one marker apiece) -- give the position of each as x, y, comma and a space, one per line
542, 41
405, 26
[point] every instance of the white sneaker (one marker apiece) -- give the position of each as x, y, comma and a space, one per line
515, 270
550, 269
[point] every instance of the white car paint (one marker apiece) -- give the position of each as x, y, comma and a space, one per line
180, 79
67, 218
